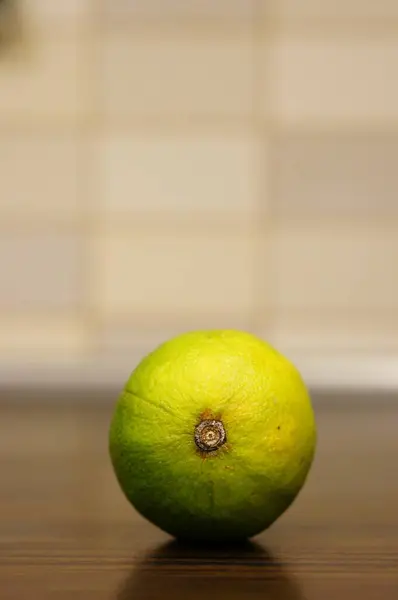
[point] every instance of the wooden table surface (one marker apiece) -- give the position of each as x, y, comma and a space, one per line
66, 531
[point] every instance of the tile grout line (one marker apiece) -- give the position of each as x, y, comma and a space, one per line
211, 124
224, 26
260, 186
89, 216
201, 222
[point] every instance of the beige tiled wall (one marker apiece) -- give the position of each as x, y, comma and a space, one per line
168, 165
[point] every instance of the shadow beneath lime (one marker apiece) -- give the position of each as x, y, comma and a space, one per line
193, 572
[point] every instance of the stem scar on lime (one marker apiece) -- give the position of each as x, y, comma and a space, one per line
210, 435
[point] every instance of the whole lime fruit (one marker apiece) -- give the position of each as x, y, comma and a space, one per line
213, 436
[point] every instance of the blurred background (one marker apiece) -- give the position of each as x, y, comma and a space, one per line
169, 165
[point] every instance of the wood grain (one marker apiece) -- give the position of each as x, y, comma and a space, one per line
66, 531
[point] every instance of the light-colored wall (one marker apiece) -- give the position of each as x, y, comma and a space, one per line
168, 165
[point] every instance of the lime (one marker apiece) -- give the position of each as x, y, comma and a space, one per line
213, 436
